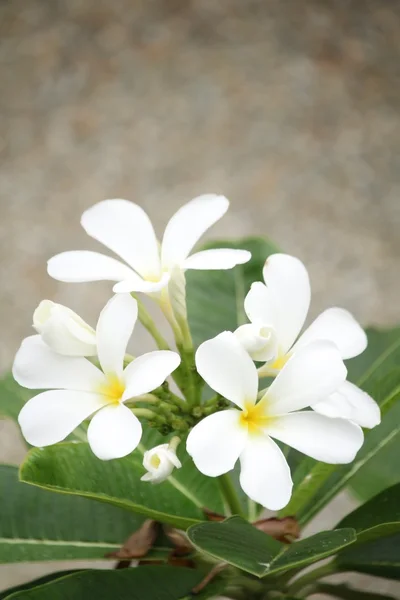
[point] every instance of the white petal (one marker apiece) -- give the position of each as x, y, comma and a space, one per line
187, 226
311, 374
227, 368
83, 265
288, 283
334, 441
218, 258
125, 229
49, 417
37, 367
216, 442
63, 330
259, 342
260, 306
137, 284
338, 326
149, 371
113, 331
350, 402
114, 432
265, 475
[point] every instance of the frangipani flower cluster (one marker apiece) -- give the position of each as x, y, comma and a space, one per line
88, 375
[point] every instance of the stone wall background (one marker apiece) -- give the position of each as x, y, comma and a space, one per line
288, 107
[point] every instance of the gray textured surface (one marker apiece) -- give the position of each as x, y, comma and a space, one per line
289, 107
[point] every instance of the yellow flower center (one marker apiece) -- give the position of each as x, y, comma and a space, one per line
155, 461
280, 362
113, 389
254, 416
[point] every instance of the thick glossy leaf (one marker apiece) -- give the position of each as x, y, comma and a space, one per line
73, 469
238, 543
378, 517
143, 583
38, 525
344, 592
380, 557
215, 298
376, 372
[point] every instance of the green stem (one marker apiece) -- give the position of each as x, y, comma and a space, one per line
230, 495
311, 577
307, 488
147, 414
149, 324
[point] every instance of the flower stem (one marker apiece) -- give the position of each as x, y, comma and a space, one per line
230, 495
146, 413
148, 323
312, 576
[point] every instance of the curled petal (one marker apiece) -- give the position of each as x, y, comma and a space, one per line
350, 402
334, 441
264, 473
187, 226
259, 342
216, 442
338, 326
114, 432
50, 417
137, 284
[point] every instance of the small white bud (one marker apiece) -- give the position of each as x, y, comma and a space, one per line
63, 330
259, 341
160, 461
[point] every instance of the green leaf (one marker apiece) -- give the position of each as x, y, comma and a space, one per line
37, 525
344, 592
72, 468
238, 543
144, 583
36, 583
380, 557
377, 518
215, 298
376, 371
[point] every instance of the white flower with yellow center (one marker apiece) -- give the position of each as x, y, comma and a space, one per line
77, 388
63, 330
277, 311
159, 462
125, 229
246, 432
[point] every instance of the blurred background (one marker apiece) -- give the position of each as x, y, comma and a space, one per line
291, 108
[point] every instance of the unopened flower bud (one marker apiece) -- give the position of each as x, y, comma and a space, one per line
63, 330
160, 461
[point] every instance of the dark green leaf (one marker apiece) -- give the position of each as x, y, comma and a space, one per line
38, 525
380, 557
143, 583
344, 592
238, 543
73, 469
378, 517
215, 298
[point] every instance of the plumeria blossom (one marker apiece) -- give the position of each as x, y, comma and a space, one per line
277, 311
125, 229
77, 388
159, 462
245, 432
63, 330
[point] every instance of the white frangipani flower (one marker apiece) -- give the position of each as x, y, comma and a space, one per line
77, 388
246, 432
63, 330
126, 230
277, 311
160, 461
